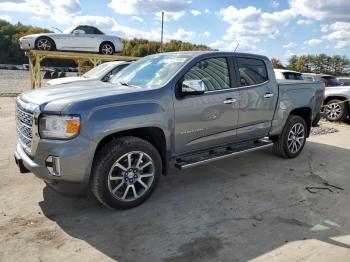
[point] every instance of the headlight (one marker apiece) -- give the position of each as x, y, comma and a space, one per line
59, 127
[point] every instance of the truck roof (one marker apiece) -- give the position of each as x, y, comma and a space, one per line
223, 53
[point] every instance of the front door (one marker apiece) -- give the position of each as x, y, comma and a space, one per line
208, 119
258, 97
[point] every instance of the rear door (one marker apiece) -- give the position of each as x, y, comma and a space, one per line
208, 119
258, 98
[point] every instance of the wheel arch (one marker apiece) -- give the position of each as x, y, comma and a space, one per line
106, 41
306, 114
45, 36
332, 97
153, 135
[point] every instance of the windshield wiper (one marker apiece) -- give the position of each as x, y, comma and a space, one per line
124, 84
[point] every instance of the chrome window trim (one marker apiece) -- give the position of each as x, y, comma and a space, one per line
238, 87
260, 84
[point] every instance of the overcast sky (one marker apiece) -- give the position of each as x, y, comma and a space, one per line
274, 28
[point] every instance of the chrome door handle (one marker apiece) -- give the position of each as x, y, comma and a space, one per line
268, 95
230, 101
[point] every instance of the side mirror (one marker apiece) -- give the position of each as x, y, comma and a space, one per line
78, 32
192, 87
106, 78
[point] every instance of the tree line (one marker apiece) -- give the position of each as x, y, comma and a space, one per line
334, 65
10, 52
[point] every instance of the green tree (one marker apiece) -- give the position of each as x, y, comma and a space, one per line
276, 63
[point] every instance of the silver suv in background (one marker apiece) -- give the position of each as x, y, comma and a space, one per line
337, 96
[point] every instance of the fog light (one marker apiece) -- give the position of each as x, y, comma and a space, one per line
53, 165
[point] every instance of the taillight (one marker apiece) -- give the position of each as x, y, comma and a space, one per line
326, 85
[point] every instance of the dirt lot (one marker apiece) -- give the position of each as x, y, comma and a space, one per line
254, 207
16, 81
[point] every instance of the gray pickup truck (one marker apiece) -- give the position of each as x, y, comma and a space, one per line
184, 108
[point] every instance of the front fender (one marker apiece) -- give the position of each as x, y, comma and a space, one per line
107, 120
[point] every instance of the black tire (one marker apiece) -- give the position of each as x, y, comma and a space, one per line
334, 110
49, 46
102, 166
282, 143
107, 48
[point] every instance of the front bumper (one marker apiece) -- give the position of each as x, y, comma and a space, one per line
27, 43
75, 157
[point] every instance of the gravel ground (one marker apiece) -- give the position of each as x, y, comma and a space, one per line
13, 82
255, 207
322, 130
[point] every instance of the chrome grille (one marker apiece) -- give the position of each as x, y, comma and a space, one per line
24, 123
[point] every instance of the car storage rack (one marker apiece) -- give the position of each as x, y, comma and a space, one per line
35, 58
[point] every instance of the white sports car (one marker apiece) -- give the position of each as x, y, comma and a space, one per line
82, 38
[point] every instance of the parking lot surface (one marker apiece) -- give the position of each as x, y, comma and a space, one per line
255, 207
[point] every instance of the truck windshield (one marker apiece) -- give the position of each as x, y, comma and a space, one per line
152, 71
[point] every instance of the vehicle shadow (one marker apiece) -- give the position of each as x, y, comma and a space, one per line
231, 210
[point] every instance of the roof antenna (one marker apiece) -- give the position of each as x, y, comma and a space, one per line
236, 47
57, 29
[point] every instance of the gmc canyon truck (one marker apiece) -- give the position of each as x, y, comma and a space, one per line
185, 108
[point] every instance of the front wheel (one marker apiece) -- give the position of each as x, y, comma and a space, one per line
292, 140
45, 44
125, 172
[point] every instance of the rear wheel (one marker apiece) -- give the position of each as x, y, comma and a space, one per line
334, 110
107, 48
125, 172
292, 140
45, 44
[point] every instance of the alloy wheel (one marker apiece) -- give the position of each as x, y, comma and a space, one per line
333, 111
107, 49
131, 176
296, 138
44, 44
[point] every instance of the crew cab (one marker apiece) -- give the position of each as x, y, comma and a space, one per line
184, 108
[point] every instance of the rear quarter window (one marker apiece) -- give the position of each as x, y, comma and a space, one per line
251, 71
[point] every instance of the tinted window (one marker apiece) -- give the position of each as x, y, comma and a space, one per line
97, 32
344, 82
251, 71
118, 68
213, 72
330, 81
87, 29
293, 76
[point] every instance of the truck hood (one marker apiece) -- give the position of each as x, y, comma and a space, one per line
67, 80
55, 99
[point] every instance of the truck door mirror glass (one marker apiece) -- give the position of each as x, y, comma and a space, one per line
193, 87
